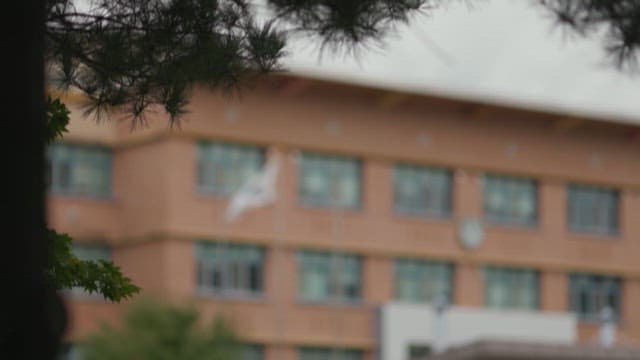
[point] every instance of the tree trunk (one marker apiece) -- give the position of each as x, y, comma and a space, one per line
31, 314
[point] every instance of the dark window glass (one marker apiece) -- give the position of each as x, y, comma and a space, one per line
508, 288
422, 191
590, 294
592, 210
423, 281
229, 269
330, 181
510, 200
329, 276
252, 352
79, 170
314, 353
223, 168
419, 351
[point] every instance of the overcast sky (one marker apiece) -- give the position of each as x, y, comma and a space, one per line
500, 51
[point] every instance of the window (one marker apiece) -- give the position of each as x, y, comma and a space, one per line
418, 351
511, 288
510, 200
79, 170
422, 281
330, 181
69, 352
422, 191
593, 210
313, 353
229, 269
252, 352
329, 277
223, 168
89, 252
589, 294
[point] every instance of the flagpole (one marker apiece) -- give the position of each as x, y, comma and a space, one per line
259, 190
336, 299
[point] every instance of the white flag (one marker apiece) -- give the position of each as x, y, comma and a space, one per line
259, 190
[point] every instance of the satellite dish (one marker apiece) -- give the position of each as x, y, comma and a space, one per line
470, 233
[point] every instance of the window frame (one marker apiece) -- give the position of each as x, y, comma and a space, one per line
447, 267
425, 172
512, 274
225, 250
595, 283
53, 164
69, 351
334, 277
308, 202
223, 193
253, 349
331, 353
612, 194
511, 181
415, 351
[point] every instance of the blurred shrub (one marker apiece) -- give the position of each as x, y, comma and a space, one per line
152, 330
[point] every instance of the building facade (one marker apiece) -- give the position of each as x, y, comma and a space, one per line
381, 197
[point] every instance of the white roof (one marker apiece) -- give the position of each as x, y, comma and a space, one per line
499, 52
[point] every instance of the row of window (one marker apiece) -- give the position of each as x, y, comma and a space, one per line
336, 182
251, 352
237, 270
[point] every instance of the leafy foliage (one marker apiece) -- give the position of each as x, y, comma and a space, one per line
143, 52
134, 54
65, 270
102, 277
157, 331
345, 24
56, 118
620, 20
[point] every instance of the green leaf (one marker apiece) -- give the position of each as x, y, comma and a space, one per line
56, 119
102, 277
